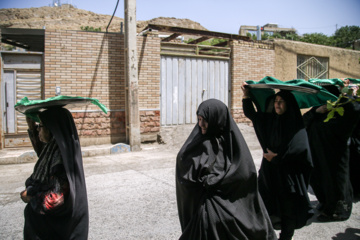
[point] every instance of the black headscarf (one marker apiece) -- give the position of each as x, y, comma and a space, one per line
282, 128
216, 182
73, 221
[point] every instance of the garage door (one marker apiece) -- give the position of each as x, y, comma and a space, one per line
186, 82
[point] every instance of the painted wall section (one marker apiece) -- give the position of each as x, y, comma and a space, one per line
342, 62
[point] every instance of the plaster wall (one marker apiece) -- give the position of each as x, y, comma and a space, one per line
342, 62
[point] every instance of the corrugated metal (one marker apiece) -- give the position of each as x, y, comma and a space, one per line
186, 82
28, 84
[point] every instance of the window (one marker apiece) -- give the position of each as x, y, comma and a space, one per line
312, 67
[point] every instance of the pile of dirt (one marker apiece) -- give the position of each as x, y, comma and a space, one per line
67, 17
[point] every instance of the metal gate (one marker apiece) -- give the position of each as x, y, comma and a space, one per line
22, 77
19, 84
186, 82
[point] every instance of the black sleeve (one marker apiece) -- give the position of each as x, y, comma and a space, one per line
248, 108
35, 141
309, 116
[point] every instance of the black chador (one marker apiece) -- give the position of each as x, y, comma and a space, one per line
216, 182
329, 142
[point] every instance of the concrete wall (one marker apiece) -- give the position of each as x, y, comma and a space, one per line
342, 62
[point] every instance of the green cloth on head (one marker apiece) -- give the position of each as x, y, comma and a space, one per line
31, 108
332, 81
306, 94
353, 80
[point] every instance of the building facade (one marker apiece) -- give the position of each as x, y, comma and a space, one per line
92, 64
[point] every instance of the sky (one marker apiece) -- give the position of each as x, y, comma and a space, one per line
226, 16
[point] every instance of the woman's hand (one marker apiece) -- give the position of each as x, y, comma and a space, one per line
245, 90
322, 109
25, 197
53, 200
31, 124
269, 155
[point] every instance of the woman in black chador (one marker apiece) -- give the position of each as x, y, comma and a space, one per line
55, 193
216, 184
329, 142
286, 165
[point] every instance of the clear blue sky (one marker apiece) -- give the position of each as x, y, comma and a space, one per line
307, 16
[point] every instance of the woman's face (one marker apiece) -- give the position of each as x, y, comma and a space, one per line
203, 124
280, 105
44, 133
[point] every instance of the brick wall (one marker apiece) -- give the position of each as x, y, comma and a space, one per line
149, 86
249, 61
92, 64
87, 64
150, 121
149, 72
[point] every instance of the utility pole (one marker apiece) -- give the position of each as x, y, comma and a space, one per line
131, 67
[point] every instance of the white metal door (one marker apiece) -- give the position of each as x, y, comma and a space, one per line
28, 84
19, 84
186, 82
9, 102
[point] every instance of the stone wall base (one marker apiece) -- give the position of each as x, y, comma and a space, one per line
149, 137
99, 140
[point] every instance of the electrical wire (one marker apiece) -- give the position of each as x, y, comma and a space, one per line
112, 15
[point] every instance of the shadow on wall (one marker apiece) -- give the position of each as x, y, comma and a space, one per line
116, 86
108, 74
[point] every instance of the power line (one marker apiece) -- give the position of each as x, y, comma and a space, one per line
112, 15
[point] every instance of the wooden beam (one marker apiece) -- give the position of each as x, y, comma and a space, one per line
201, 39
173, 36
15, 44
195, 32
221, 44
